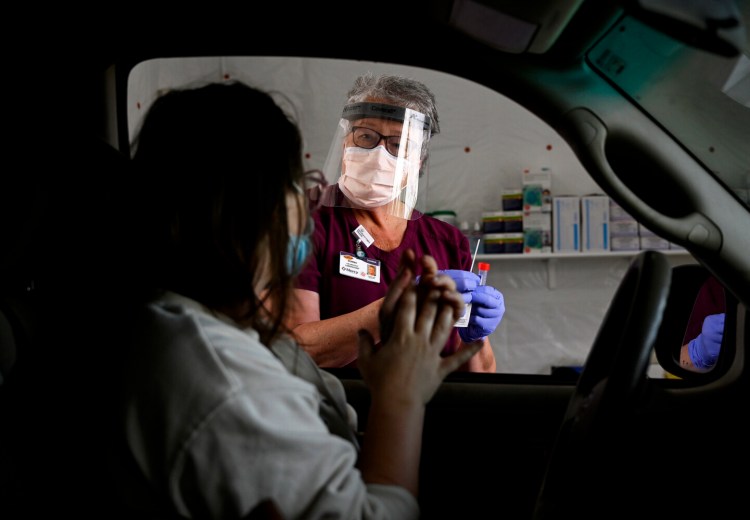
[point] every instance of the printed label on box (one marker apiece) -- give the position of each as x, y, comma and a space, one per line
566, 224
595, 223
623, 228
537, 190
537, 232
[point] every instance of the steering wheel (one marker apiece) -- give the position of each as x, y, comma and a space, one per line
607, 391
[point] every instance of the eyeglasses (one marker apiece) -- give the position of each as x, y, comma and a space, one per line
368, 138
313, 186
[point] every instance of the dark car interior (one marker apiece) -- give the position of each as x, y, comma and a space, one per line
611, 442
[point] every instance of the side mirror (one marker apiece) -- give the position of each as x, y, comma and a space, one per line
687, 281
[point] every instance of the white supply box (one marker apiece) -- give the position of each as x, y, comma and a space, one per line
654, 242
537, 190
623, 228
566, 217
595, 223
537, 232
625, 243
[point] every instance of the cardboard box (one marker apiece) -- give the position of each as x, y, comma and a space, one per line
595, 223
503, 243
512, 199
537, 190
502, 221
537, 232
566, 224
654, 243
625, 244
623, 228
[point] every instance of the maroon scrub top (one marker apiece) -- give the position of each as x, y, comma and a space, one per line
710, 300
341, 294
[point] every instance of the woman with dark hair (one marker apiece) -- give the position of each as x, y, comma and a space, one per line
222, 411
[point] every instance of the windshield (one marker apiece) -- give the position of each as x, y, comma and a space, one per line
701, 98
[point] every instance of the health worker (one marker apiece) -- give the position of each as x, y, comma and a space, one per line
371, 200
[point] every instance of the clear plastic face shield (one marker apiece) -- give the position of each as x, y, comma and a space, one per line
377, 161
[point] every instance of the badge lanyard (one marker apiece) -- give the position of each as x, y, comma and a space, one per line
362, 236
361, 267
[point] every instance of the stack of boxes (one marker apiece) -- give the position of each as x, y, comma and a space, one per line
503, 231
630, 235
532, 221
537, 211
623, 229
649, 240
524, 224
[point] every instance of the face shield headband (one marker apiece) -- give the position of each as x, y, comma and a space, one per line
377, 160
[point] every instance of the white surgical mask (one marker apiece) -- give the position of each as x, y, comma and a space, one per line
368, 176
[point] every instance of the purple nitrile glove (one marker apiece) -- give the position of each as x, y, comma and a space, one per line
704, 349
487, 309
465, 281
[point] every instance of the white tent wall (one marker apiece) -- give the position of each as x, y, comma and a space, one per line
485, 143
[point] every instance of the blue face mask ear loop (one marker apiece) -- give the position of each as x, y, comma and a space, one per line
298, 248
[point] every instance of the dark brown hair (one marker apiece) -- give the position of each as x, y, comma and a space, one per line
214, 166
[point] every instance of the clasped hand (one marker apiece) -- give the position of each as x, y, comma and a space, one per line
416, 320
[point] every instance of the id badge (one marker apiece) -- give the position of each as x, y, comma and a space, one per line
367, 269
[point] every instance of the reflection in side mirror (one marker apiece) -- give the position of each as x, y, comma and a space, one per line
701, 353
692, 329
704, 331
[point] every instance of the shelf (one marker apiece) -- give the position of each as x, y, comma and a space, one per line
551, 258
